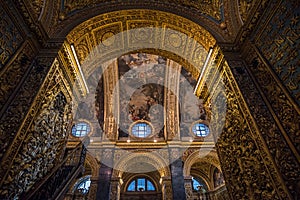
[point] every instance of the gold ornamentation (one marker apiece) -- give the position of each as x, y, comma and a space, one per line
44, 144
10, 40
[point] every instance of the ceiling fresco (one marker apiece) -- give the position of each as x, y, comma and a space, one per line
141, 89
142, 93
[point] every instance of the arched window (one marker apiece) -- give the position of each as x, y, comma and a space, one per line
198, 182
141, 129
200, 129
82, 186
81, 129
140, 185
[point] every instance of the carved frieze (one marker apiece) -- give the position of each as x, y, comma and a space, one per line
175, 29
171, 100
245, 8
10, 40
37, 6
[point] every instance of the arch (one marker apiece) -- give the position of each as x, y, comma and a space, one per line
222, 29
153, 181
152, 158
210, 157
93, 163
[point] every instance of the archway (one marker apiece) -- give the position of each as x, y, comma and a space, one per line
245, 135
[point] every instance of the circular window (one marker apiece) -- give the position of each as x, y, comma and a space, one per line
141, 129
81, 129
200, 129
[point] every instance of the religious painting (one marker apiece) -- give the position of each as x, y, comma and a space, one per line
141, 80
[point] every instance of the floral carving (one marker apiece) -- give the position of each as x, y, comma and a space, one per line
10, 39
42, 147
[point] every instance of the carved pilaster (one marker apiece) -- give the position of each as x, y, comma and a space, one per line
171, 100
188, 188
115, 189
111, 101
167, 191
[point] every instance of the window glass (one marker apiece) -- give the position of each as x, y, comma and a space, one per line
150, 186
141, 129
200, 130
80, 129
140, 185
198, 182
131, 186
83, 185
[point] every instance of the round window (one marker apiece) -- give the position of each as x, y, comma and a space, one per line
81, 129
141, 129
200, 130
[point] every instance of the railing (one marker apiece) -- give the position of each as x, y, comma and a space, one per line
56, 183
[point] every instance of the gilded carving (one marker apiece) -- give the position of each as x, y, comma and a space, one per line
14, 74
279, 42
213, 9
245, 8
188, 189
171, 100
279, 101
276, 152
136, 19
43, 146
16, 112
37, 6
10, 39
247, 163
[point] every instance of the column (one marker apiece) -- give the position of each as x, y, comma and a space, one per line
177, 174
105, 173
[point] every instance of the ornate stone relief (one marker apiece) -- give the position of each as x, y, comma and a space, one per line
44, 144
86, 34
37, 6
10, 40
245, 7
14, 74
270, 142
245, 172
110, 77
285, 110
279, 44
13, 118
